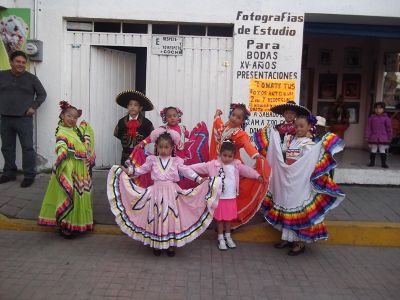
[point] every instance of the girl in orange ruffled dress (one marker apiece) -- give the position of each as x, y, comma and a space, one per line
251, 192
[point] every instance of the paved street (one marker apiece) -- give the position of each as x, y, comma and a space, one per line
44, 266
363, 203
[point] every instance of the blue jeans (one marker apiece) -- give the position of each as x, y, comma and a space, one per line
10, 128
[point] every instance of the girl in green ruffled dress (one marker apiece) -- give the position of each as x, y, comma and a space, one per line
67, 203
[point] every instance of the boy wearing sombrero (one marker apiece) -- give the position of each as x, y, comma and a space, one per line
134, 127
289, 111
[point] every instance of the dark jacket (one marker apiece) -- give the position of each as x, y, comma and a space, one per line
379, 129
17, 93
143, 131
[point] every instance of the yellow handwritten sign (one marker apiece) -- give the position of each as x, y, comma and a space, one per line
266, 93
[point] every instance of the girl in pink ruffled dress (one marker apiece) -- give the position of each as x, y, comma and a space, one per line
163, 216
192, 146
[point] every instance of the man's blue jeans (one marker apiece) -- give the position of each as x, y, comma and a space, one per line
23, 127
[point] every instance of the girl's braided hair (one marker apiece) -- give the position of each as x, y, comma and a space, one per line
166, 137
64, 105
163, 113
312, 120
243, 108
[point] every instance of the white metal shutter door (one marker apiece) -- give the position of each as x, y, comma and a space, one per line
198, 82
111, 72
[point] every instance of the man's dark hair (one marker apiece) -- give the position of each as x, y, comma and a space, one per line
18, 53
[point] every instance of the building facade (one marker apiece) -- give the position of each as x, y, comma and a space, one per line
203, 55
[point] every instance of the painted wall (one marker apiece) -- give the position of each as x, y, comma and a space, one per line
50, 29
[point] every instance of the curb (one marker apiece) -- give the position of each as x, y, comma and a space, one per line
382, 234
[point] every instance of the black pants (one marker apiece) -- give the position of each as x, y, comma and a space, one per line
125, 155
10, 128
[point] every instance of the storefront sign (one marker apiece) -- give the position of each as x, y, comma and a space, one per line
267, 62
167, 45
266, 93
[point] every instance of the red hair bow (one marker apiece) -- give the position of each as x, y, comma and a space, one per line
65, 105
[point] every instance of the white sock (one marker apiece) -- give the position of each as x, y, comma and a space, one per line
220, 237
228, 235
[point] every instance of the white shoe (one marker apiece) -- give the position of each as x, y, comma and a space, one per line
222, 245
230, 243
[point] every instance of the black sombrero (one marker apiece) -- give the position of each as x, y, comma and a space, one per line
123, 99
291, 105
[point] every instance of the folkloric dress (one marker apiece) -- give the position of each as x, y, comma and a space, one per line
162, 215
301, 191
192, 148
251, 192
67, 202
223, 132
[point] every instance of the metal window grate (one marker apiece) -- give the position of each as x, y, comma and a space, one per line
134, 28
107, 27
165, 29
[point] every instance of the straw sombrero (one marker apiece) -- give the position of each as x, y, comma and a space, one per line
291, 105
123, 99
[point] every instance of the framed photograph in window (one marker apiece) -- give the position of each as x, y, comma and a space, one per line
327, 86
323, 108
353, 108
351, 86
352, 58
325, 57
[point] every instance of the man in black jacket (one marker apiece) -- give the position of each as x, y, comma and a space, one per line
21, 93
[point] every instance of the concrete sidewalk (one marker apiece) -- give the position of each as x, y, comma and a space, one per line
370, 216
352, 168
45, 266
362, 203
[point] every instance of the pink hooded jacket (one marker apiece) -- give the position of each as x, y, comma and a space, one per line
213, 167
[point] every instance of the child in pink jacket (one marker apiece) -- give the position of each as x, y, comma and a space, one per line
229, 169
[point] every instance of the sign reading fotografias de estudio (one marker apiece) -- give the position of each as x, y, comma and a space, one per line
267, 62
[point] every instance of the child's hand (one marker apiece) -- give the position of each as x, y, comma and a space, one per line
139, 146
218, 112
124, 169
260, 179
200, 181
87, 145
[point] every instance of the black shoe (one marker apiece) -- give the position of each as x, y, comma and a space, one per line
371, 160
383, 160
297, 250
156, 252
4, 179
283, 244
66, 234
171, 251
27, 182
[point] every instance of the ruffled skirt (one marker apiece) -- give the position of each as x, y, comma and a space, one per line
162, 215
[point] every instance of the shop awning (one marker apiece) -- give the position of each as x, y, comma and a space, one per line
382, 31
